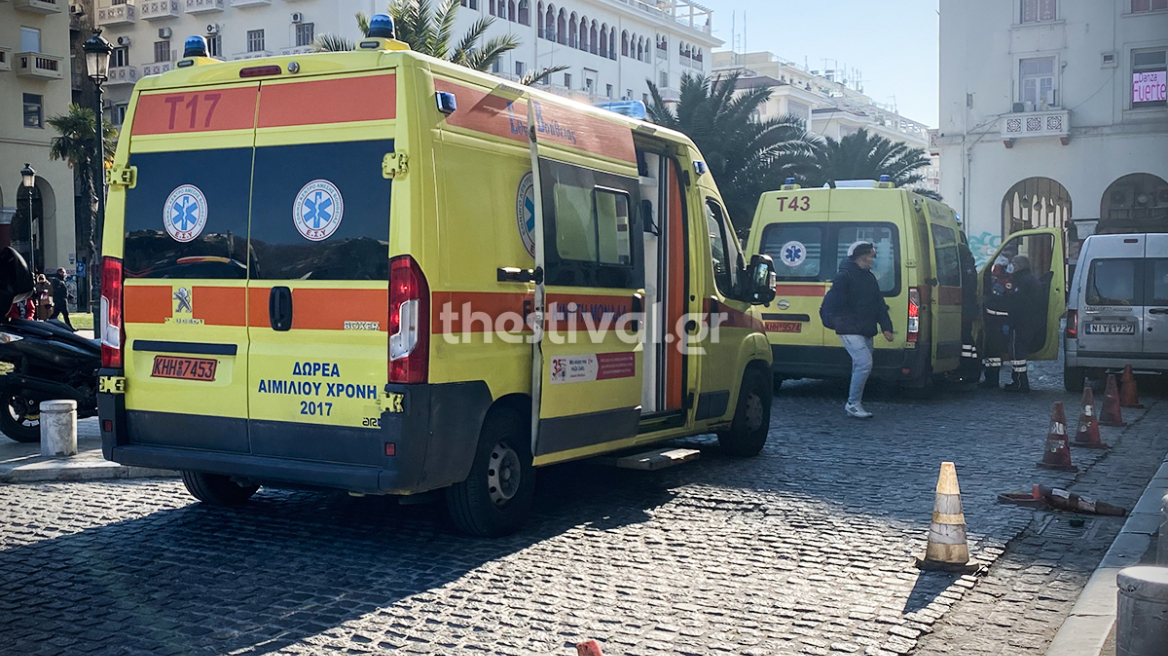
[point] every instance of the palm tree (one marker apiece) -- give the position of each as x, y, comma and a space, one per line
75, 144
431, 31
745, 155
863, 156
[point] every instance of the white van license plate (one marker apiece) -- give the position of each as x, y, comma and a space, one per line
1111, 328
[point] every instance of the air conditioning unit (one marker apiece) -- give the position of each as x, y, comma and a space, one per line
76, 10
164, 32
297, 17
123, 40
1019, 107
213, 28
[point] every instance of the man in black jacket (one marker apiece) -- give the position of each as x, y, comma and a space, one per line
1024, 303
853, 307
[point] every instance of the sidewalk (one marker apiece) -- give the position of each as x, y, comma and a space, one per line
23, 463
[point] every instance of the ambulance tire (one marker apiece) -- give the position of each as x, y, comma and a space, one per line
490, 503
752, 418
14, 412
217, 489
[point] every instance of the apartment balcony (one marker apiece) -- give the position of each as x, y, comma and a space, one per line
5, 59
204, 6
1024, 125
255, 54
124, 14
152, 10
934, 142
39, 65
122, 75
251, 3
157, 68
40, 6
668, 94
295, 50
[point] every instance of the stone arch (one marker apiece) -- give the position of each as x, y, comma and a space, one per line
562, 28
524, 12
44, 213
1035, 203
604, 40
573, 22
582, 41
592, 36
1136, 199
549, 31
624, 43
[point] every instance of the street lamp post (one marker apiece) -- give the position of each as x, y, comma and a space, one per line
97, 57
28, 182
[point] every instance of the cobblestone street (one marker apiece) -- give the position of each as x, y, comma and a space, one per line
805, 549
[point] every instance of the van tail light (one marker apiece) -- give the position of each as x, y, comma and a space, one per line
112, 332
409, 322
1073, 324
914, 314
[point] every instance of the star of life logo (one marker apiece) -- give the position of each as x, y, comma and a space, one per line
318, 210
185, 214
793, 253
525, 212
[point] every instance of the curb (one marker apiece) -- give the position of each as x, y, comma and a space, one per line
62, 470
1087, 628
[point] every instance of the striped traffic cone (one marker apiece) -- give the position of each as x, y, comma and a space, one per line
1128, 396
947, 549
1057, 453
1110, 414
1087, 435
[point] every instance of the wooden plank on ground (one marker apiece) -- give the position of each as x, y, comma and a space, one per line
651, 460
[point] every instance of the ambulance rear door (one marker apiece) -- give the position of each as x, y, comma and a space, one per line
186, 265
946, 289
795, 241
318, 297
590, 274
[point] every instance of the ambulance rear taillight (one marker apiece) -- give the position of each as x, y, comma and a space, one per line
914, 313
111, 312
409, 321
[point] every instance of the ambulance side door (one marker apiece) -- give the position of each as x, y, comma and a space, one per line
946, 302
318, 297
1044, 247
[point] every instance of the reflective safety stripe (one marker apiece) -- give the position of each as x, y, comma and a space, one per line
947, 504
1057, 428
992, 362
1088, 411
997, 313
1019, 366
947, 533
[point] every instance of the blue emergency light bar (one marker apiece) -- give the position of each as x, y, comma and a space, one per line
631, 108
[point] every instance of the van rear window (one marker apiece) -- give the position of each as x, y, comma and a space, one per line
1157, 288
806, 252
1113, 282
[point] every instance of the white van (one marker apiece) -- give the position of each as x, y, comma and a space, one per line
1118, 309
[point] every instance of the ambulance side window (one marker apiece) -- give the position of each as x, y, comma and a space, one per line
948, 260
589, 218
723, 249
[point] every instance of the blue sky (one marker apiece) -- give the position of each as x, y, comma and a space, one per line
893, 43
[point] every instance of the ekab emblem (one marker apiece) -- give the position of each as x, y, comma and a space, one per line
318, 210
525, 212
793, 253
185, 214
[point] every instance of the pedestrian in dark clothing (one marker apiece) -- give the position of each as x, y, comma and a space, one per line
853, 307
970, 308
1024, 303
61, 299
996, 336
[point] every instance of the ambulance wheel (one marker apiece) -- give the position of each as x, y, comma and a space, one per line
20, 419
1074, 378
495, 498
217, 489
752, 418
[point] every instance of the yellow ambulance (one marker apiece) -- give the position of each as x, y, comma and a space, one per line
808, 232
379, 272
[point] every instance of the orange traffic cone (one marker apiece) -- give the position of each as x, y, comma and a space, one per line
1057, 454
1087, 434
1110, 414
588, 648
1128, 396
947, 549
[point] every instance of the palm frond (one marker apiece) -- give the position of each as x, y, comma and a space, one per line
532, 78
332, 43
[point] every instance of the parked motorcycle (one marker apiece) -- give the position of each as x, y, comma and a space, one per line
44, 360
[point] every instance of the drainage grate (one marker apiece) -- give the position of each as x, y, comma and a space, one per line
1058, 526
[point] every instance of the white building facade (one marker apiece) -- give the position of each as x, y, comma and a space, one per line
611, 47
830, 107
1052, 111
35, 85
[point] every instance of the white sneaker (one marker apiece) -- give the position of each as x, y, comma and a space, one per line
856, 410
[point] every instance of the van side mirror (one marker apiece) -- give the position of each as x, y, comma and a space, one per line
760, 280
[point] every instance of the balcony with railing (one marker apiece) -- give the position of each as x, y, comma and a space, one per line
295, 50
254, 54
40, 65
122, 75
5, 59
123, 14
157, 68
159, 9
203, 6
39, 6
1024, 125
250, 3
689, 14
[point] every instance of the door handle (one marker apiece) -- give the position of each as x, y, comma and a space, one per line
638, 309
280, 308
1158, 311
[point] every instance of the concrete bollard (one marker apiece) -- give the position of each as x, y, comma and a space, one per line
1141, 627
59, 428
1162, 544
